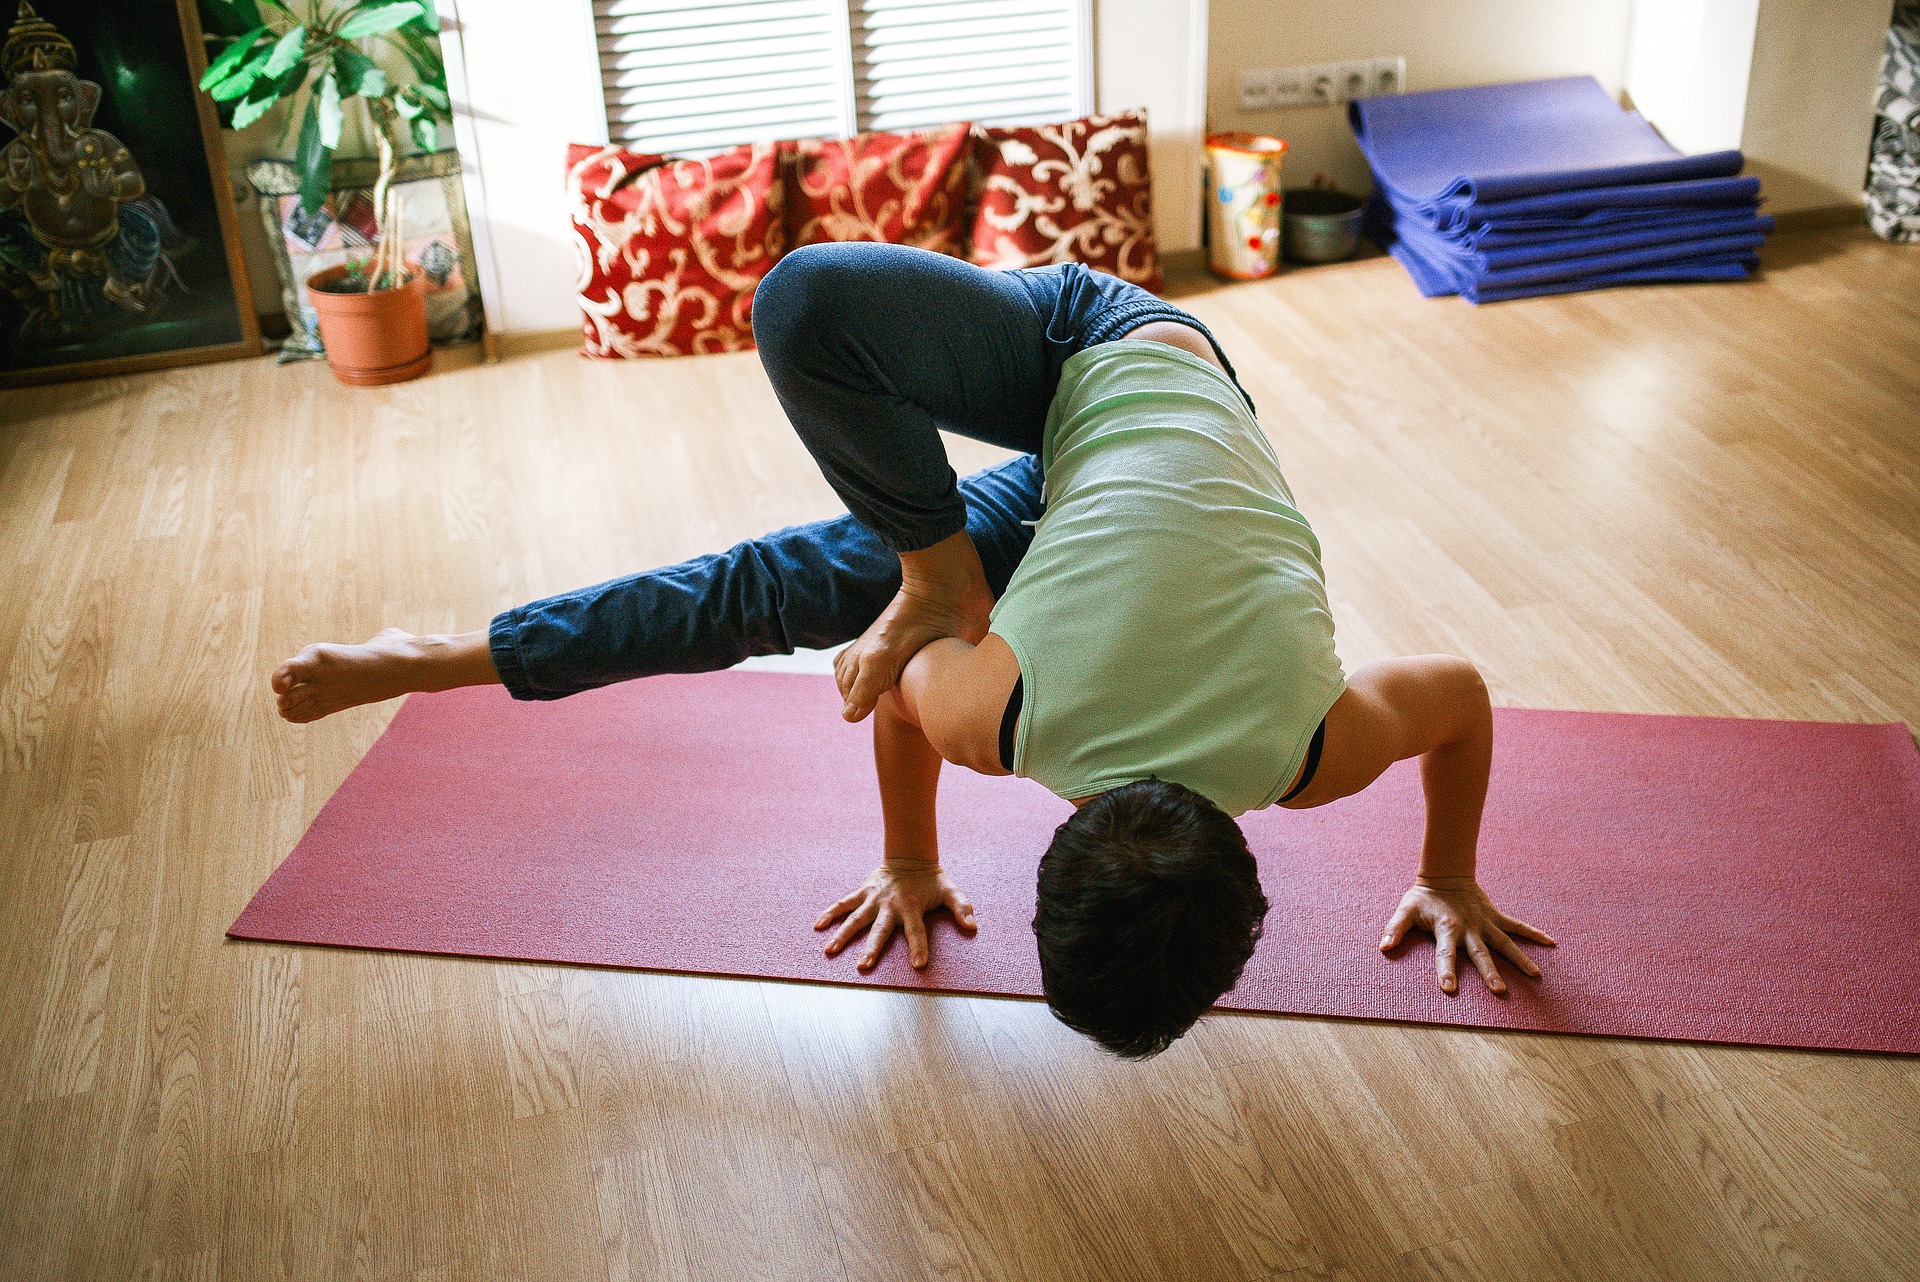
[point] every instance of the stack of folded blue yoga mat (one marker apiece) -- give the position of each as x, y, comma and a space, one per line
1548, 187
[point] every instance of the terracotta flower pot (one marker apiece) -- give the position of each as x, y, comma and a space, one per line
373, 338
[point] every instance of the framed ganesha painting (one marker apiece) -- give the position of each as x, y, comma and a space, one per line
119, 247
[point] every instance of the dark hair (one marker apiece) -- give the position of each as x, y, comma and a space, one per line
1149, 905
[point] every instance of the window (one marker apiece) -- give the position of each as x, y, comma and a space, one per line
693, 78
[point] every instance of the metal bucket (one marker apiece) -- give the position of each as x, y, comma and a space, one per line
1243, 205
1323, 226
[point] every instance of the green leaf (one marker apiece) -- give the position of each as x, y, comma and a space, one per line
242, 80
359, 77
230, 57
404, 102
286, 52
314, 160
265, 97
375, 18
422, 52
328, 100
435, 97
426, 134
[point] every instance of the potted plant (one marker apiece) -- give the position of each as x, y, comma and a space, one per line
373, 316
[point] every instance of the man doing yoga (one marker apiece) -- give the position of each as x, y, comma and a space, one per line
1131, 612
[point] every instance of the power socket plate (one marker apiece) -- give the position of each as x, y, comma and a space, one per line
1321, 84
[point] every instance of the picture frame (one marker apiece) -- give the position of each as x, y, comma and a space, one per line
120, 246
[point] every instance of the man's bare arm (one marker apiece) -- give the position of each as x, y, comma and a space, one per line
1434, 707
956, 692
910, 881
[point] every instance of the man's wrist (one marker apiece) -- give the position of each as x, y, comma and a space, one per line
1444, 881
910, 863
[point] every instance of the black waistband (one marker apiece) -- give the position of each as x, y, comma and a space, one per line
1007, 720
1313, 762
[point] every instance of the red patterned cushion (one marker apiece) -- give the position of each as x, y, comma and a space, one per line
1072, 192
909, 189
670, 250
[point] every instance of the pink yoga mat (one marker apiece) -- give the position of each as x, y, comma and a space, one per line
1708, 879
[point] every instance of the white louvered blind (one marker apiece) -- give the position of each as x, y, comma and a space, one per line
691, 78
999, 62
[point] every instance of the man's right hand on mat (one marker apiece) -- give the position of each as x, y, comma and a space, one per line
898, 895
1458, 914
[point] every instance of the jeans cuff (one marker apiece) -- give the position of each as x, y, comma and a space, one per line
922, 537
504, 645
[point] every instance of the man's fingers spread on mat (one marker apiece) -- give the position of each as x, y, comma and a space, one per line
1483, 962
962, 909
1511, 951
1397, 928
916, 930
1446, 938
1520, 928
878, 938
852, 926
840, 908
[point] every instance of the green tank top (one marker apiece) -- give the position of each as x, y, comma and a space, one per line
1170, 618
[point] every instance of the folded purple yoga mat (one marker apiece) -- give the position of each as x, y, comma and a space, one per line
1693, 271
1719, 880
1592, 266
1601, 204
1578, 255
1437, 273
1494, 238
1452, 149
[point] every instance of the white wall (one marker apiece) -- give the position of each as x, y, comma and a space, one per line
524, 88
1790, 82
1446, 43
1153, 54
1809, 107
1688, 63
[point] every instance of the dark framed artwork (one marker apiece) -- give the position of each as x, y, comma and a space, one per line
119, 245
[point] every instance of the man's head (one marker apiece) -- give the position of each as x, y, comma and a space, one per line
1149, 906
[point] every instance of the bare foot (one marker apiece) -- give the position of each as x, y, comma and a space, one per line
324, 679
943, 593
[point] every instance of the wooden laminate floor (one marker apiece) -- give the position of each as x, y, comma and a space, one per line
1692, 500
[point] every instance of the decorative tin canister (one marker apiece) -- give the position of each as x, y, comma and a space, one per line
1243, 204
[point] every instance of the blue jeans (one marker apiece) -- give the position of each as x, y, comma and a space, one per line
871, 350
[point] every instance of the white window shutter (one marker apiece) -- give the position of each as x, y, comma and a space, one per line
692, 78
997, 62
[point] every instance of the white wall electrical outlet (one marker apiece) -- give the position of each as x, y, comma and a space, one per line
1290, 87
1387, 75
1256, 91
1322, 83
1356, 80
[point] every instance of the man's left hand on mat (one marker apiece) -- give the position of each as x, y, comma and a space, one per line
898, 895
1462, 916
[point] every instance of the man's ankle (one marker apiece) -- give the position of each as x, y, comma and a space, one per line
951, 565
443, 661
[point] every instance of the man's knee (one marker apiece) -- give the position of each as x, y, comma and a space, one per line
797, 303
